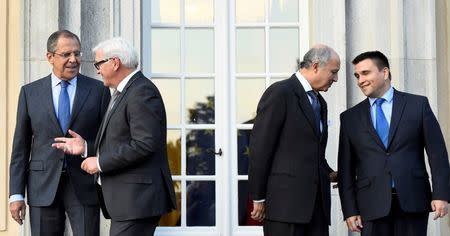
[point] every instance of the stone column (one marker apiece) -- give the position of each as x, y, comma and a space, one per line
327, 26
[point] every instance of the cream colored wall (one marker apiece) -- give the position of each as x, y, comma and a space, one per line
443, 76
10, 78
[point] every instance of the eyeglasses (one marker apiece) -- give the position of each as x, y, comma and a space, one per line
99, 63
66, 55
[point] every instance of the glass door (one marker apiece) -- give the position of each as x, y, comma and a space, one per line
267, 42
212, 61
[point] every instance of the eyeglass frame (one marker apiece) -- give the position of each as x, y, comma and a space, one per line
99, 63
67, 55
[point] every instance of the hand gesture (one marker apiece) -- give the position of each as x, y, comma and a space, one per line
72, 146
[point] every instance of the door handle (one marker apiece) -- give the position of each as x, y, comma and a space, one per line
219, 153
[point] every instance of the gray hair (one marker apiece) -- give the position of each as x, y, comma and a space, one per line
120, 48
321, 54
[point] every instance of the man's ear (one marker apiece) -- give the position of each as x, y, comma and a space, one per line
315, 66
386, 73
50, 57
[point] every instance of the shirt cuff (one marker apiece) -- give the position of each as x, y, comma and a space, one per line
16, 197
85, 154
98, 163
261, 200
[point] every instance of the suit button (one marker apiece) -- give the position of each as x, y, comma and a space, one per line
388, 153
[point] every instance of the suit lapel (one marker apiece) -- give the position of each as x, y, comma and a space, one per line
119, 98
367, 119
304, 102
48, 103
81, 94
398, 107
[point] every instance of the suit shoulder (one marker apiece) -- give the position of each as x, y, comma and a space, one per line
410, 96
355, 109
280, 87
37, 83
90, 81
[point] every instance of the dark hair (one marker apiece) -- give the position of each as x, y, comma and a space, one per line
53, 39
377, 57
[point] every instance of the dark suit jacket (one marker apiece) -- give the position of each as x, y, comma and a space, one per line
366, 166
135, 177
287, 159
37, 166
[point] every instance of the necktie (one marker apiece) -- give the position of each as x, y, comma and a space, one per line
316, 108
110, 106
382, 125
112, 101
64, 107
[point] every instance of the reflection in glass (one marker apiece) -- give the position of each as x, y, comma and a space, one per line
165, 50
199, 101
243, 139
174, 151
283, 11
284, 49
200, 147
248, 93
250, 50
249, 11
201, 203
199, 50
199, 11
165, 11
245, 205
171, 94
174, 217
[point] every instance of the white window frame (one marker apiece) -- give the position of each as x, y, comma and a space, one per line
226, 177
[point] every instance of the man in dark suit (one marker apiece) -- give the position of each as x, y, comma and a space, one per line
131, 162
383, 181
288, 174
48, 108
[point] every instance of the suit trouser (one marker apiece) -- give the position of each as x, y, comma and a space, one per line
318, 226
397, 223
141, 227
50, 220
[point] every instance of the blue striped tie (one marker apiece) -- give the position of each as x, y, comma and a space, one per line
64, 107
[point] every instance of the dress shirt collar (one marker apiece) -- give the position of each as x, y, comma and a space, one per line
56, 81
124, 82
303, 81
388, 96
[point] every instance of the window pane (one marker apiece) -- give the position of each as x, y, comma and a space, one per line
201, 203
170, 92
199, 50
165, 51
283, 10
174, 217
283, 44
199, 11
200, 147
250, 50
250, 11
165, 11
243, 139
174, 151
248, 93
245, 205
199, 101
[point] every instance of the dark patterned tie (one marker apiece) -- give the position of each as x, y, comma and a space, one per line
316, 108
64, 107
